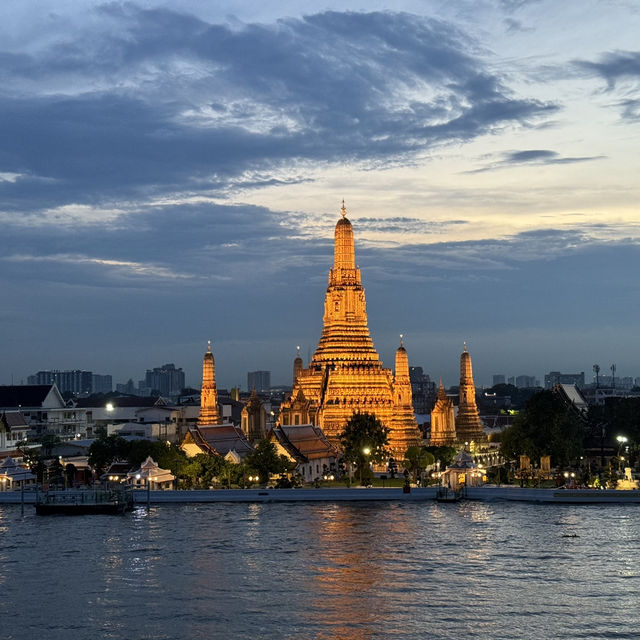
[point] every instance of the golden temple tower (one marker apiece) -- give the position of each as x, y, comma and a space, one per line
254, 418
209, 413
468, 423
443, 421
297, 366
346, 374
403, 424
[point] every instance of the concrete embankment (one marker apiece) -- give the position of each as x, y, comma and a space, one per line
358, 494
423, 494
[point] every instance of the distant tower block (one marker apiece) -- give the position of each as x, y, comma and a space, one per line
345, 374
443, 421
468, 424
209, 413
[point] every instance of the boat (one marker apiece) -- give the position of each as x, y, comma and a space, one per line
85, 502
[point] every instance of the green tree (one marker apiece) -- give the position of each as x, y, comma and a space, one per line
47, 443
547, 426
264, 459
443, 453
203, 470
105, 449
364, 440
416, 460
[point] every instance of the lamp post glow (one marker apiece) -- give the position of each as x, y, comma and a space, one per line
366, 451
622, 441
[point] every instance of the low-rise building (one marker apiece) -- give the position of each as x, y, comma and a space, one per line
307, 446
226, 440
44, 410
13, 429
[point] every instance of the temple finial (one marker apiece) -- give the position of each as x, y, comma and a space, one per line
209, 345
465, 345
298, 348
343, 210
401, 336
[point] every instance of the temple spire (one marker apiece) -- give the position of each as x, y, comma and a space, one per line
468, 424
344, 251
209, 413
297, 366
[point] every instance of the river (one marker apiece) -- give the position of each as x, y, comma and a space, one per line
323, 571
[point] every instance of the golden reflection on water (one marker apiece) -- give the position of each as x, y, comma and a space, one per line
351, 576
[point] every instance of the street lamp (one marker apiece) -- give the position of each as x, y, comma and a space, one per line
366, 451
622, 440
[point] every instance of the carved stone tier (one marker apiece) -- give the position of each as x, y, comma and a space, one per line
345, 374
443, 421
209, 413
468, 424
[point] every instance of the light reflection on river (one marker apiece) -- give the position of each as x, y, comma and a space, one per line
323, 571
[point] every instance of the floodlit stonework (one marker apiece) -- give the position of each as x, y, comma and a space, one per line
254, 419
443, 421
468, 423
345, 374
209, 413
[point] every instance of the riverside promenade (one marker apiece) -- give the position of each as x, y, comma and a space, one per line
487, 493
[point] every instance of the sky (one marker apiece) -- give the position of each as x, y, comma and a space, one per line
172, 172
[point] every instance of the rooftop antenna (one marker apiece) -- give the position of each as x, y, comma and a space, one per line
613, 376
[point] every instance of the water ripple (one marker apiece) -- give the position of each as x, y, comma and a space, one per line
324, 571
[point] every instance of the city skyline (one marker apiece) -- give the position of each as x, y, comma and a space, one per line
171, 173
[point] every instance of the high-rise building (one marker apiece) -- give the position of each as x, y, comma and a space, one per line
166, 380
555, 377
526, 382
102, 384
468, 424
74, 381
498, 379
259, 380
128, 387
345, 374
422, 389
209, 413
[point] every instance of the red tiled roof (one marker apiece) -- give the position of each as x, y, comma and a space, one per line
307, 440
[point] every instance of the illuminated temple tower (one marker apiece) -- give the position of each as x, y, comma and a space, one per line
443, 421
209, 413
346, 374
468, 423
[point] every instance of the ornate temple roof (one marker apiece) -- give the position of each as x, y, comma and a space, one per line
304, 442
346, 374
219, 439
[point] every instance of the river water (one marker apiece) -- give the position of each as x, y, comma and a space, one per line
323, 571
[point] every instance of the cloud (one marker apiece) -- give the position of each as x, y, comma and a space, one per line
515, 26
614, 66
405, 225
511, 6
621, 72
160, 101
532, 156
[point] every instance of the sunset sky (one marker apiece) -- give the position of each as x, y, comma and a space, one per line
172, 172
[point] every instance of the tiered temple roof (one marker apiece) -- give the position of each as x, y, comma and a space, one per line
468, 424
209, 413
443, 421
345, 374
